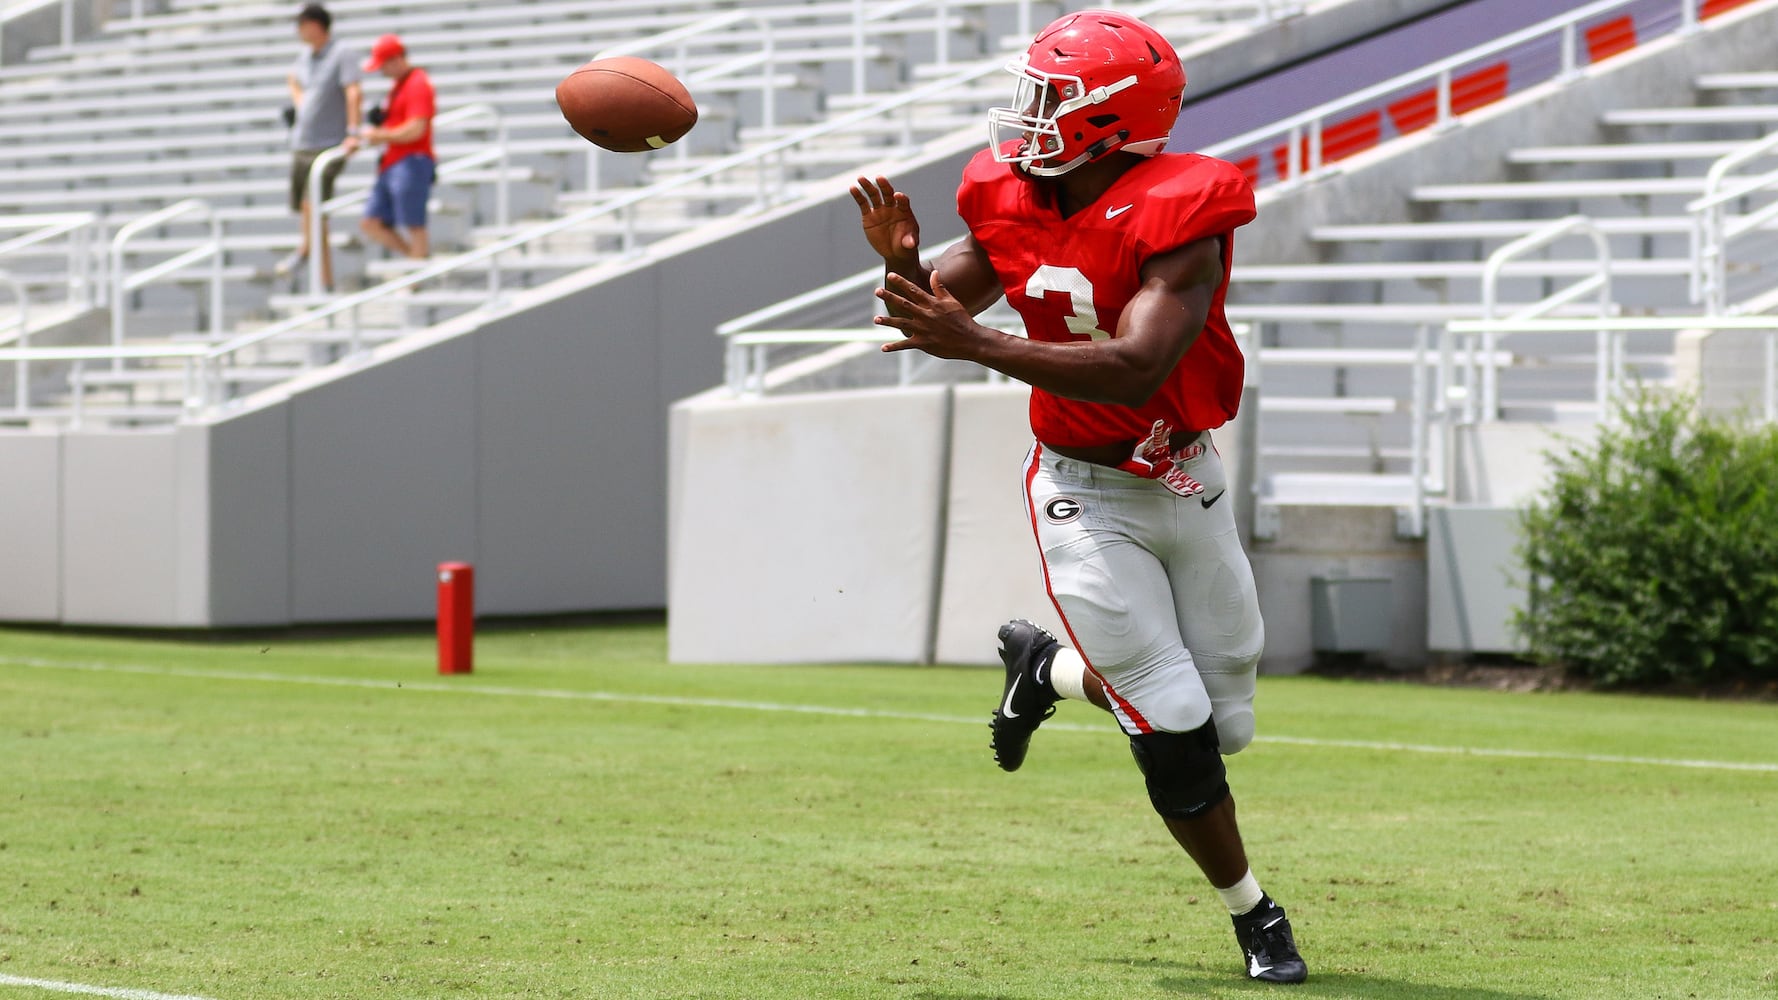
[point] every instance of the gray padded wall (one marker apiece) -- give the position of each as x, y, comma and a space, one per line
566, 454
249, 483
383, 477
30, 527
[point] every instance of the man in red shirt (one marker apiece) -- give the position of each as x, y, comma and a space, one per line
1117, 257
407, 168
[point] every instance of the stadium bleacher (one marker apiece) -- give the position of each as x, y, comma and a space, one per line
184, 102
1347, 297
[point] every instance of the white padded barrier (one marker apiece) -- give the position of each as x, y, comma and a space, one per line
30, 527
865, 526
806, 528
991, 569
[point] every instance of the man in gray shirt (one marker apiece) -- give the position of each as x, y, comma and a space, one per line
324, 88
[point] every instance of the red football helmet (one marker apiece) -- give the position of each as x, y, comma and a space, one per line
1092, 82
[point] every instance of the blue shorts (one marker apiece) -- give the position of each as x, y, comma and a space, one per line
399, 195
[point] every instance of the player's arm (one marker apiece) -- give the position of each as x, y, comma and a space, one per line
894, 233
1159, 325
296, 90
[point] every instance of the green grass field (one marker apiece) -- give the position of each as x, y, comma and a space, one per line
312, 818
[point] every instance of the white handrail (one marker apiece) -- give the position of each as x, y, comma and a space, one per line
1768, 324
1599, 282
24, 338
120, 283
82, 228
1306, 127
23, 356
1710, 231
328, 157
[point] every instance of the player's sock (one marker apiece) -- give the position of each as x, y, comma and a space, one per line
1243, 896
1068, 674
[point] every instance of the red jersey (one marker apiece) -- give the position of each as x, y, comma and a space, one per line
410, 98
1070, 278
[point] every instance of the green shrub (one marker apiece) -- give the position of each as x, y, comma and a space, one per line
1652, 557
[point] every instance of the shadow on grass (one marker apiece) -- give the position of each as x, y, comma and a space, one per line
1329, 985
1340, 986
1188, 979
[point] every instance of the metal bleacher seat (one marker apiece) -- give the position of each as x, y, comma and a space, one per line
161, 107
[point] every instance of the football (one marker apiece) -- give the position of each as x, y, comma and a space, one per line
626, 104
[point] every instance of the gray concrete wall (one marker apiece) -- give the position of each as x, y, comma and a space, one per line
21, 33
1339, 544
1725, 368
1472, 575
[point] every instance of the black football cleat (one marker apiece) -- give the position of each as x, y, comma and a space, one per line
1268, 945
1028, 698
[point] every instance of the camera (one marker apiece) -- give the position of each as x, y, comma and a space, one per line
375, 116
288, 113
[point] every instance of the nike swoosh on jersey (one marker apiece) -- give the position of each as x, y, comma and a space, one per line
1210, 502
1112, 213
1006, 706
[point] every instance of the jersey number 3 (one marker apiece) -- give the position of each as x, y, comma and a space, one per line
1083, 319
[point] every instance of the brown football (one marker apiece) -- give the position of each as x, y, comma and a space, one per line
626, 104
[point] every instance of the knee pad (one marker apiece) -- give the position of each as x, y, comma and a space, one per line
1184, 771
1236, 730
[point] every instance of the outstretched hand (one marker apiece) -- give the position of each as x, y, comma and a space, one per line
934, 322
888, 220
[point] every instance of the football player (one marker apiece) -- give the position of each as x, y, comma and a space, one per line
1117, 256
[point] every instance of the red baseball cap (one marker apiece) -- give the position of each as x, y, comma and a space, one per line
385, 49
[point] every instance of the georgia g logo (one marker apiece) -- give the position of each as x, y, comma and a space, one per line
1061, 510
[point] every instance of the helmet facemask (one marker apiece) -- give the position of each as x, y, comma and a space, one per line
1043, 99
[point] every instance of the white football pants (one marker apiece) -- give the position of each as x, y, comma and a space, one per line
1154, 590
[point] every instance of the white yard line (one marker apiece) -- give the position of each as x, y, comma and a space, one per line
459, 687
57, 986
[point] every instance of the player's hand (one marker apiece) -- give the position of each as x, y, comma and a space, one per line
888, 220
934, 322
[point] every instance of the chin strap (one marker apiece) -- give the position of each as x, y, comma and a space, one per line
1104, 145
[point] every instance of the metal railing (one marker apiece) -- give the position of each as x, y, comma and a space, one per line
122, 283
1711, 230
79, 357
22, 400
1620, 325
1303, 133
84, 232
1597, 283
497, 153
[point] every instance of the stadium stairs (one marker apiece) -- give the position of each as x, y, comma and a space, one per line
201, 85
455, 422
601, 316
1384, 484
